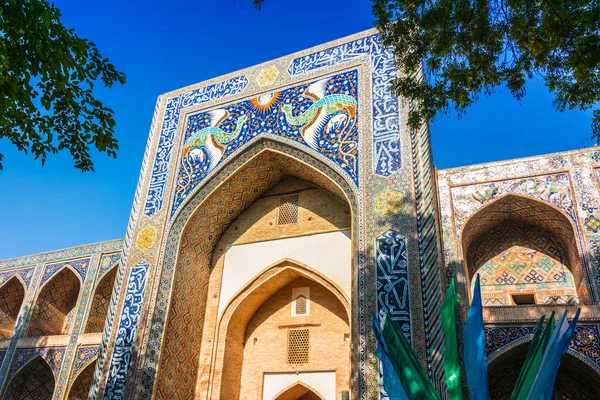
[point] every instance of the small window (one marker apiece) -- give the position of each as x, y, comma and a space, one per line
301, 305
300, 301
523, 299
298, 346
288, 210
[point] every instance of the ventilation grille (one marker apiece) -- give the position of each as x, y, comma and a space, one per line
301, 305
288, 210
298, 346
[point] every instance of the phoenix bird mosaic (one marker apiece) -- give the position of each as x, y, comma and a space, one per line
321, 115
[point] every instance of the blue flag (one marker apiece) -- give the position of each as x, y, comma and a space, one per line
474, 346
557, 347
391, 381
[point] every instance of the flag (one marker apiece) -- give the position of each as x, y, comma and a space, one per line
558, 345
414, 379
391, 382
474, 346
451, 356
534, 359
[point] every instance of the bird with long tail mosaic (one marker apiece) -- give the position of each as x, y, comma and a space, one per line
321, 115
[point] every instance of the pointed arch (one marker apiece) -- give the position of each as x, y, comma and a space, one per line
55, 305
233, 324
299, 391
535, 227
35, 380
182, 288
101, 301
12, 294
82, 382
576, 379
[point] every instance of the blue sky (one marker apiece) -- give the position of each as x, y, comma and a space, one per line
165, 45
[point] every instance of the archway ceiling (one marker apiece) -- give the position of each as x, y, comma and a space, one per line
179, 363
519, 209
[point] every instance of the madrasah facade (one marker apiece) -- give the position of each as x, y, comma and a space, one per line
278, 209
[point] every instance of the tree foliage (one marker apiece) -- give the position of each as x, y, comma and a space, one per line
474, 47
47, 80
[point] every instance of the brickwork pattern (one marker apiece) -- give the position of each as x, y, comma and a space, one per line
34, 381
100, 303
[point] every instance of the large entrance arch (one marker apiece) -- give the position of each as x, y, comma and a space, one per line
526, 252
299, 391
575, 379
189, 329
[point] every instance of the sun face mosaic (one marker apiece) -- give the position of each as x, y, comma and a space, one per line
321, 114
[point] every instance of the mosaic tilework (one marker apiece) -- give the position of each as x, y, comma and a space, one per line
108, 261
69, 253
128, 324
320, 114
52, 355
25, 273
35, 381
586, 340
81, 266
386, 127
100, 303
392, 279
55, 306
173, 108
84, 355
12, 294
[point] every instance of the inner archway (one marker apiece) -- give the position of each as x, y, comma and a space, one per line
526, 252
575, 379
12, 294
298, 391
55, 306
183, 366
34, 381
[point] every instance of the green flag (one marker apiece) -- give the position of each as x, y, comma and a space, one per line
451, 355
530, 354
413, 377
532, 363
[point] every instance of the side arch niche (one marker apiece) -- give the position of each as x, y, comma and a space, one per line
101, 302
34, 381
186, 358
54, 308
12, 294
526, 253
83, 382
575, 378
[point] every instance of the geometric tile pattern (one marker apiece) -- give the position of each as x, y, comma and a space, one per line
81, 266
100, 303
35, 381
11, 298
84, 355
320, 114
81, 387
53, 356
55, 305
515, 258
